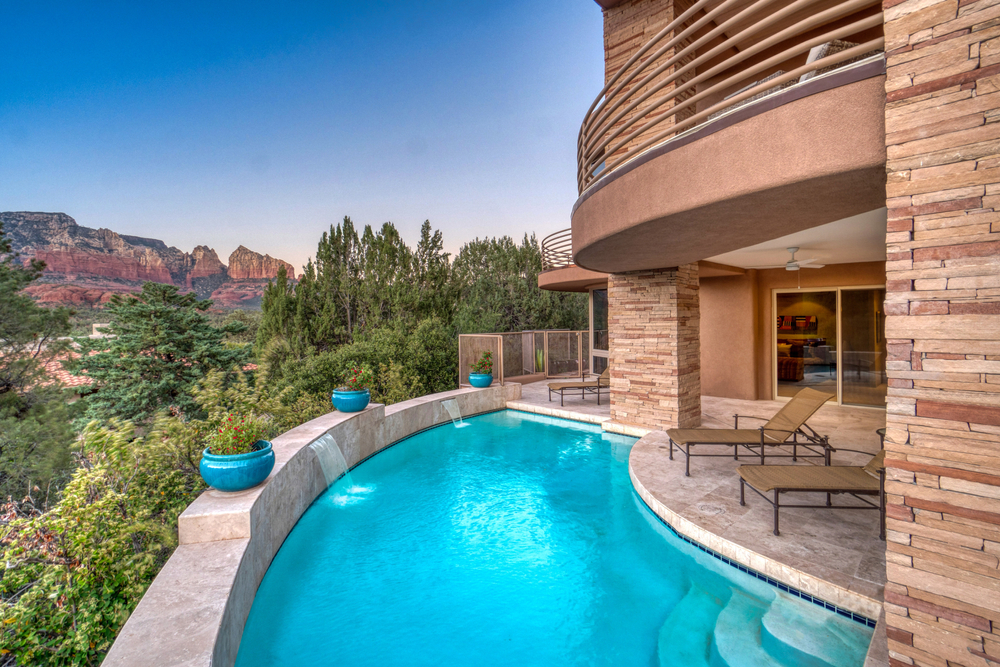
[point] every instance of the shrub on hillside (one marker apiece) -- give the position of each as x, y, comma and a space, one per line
71, 576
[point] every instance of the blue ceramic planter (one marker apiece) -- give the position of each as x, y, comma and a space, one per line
237, 472
480, 380
351, 401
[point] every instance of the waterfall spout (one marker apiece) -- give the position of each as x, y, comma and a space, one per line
331, 460
456, 414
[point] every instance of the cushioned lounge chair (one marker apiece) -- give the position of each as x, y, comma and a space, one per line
858, 481
603, 382
785, 428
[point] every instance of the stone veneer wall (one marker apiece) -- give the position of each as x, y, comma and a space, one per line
943, 329
194, 612
655, 359
627, 28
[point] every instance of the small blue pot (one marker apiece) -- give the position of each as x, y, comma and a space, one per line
237, 472
351, 401
480, 380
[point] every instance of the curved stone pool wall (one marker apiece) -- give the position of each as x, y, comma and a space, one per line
194, 612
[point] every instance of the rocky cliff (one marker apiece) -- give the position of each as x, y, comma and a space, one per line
245, 264
85, 266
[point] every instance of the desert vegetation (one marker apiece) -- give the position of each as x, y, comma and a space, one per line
94, 478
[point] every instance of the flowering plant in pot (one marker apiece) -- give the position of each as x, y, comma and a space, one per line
237, 456
481, 375
356, 392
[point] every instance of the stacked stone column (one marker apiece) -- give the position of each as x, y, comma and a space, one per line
655, 357
943, 331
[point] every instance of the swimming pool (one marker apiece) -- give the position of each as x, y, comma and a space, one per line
517, 540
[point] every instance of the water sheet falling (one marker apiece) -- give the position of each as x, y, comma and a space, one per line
331, 460
456, 414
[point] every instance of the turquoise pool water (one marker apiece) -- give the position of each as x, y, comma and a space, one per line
517, 540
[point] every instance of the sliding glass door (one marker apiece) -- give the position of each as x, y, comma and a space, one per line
862, 325
832, 340
598, 330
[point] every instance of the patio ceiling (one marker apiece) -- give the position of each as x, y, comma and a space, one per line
859, 238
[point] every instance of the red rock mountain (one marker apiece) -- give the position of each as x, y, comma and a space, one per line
84, 266
245, 264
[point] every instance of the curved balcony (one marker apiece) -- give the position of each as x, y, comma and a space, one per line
559, 273
739, 122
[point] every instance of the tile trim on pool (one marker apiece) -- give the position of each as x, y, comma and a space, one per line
416, 433
847, 603
605, 422
820, 602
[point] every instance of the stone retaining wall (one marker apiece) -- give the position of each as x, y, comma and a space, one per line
194, 611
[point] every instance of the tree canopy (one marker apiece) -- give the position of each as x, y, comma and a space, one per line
369, 298
160, 344
28, 333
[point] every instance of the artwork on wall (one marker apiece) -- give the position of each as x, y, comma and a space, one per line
798, 324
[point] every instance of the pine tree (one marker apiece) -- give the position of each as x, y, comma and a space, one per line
160, 345
28, 333
277, 310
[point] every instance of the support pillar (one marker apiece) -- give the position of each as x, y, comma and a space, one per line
942, 438
655, 358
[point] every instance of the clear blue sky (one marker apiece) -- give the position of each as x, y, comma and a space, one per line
263, 123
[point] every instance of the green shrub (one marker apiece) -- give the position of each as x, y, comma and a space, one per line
71, 576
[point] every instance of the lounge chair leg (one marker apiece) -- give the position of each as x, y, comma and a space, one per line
829, 500
687, 462
776, 512
671, 448
795, 449
562, 397
550, 395
743, 499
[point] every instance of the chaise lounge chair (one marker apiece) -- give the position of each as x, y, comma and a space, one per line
868, 480
602, 382
790, 422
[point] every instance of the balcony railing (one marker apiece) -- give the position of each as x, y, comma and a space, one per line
709, 51
527, 356
557, 250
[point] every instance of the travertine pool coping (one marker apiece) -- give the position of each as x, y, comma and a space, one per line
193, 613
604, 421
693, 508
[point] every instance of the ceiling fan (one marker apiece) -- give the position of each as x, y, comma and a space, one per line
795, 264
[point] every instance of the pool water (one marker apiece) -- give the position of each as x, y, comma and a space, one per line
517, 540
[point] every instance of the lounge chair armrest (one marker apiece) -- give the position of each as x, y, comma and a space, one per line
817, 440
736, 419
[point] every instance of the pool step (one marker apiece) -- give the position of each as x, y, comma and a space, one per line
686, 635
736, 641
806, 636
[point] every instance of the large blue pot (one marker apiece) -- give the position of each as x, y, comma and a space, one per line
351, 401
480, 380
236, 472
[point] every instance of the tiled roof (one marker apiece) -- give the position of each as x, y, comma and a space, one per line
54, 369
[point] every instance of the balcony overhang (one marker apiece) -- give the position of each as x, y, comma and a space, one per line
573, 278
803, 159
